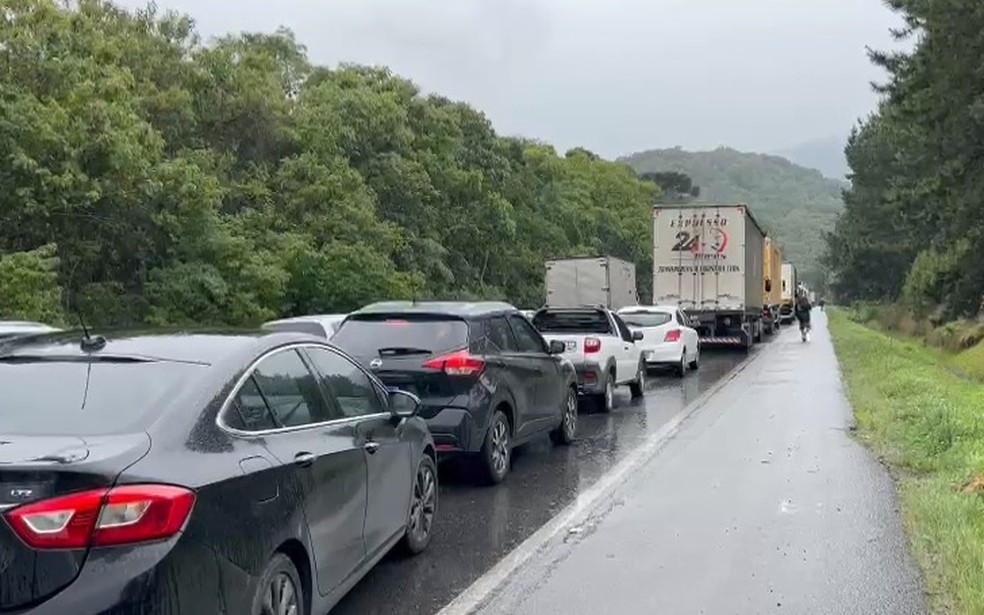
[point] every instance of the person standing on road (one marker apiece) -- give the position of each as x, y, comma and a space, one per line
803, 309
822, 302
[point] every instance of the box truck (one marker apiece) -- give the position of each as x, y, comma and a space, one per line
708, 261
788, 290
771, 285
605, 280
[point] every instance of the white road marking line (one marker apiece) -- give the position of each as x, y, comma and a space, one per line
576, 512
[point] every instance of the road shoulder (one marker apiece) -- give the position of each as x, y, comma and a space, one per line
760, 503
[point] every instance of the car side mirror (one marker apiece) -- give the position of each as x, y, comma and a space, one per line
557, 347
403, 404
637, 336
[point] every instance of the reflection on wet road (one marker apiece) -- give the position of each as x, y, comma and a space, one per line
477, 526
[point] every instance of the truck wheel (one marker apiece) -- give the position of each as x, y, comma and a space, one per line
638, 387
606, 401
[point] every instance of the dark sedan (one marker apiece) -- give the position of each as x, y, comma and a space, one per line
259, 473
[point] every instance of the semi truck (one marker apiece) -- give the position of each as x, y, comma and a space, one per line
603, 281
708, 261
771, 285
789, 286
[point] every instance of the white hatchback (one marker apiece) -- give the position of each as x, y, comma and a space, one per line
668, 339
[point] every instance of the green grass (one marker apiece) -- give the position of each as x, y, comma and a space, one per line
927, 424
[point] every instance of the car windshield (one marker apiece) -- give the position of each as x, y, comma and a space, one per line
79, 397
645, 319
372, 335
572, 321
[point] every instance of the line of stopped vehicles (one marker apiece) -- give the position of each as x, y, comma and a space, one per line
265, 472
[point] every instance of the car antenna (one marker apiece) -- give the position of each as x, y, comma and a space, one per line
89, 343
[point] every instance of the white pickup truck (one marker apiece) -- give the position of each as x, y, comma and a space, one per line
601, 347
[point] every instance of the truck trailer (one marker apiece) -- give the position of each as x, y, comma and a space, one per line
771, 285
597, 281
708, 261
789, 286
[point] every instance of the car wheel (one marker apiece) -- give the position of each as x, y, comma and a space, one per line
497, 452
606, 400
566, 432
638, 387
423, 507
696, 362
279, 591
681, 367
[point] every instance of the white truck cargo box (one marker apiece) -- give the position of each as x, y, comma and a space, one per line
605, 281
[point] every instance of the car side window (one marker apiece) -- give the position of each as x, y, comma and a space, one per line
623, 329
249, 411
500, 334
527, 337
290, 390
351, 388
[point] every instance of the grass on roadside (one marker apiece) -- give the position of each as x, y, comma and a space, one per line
927, 424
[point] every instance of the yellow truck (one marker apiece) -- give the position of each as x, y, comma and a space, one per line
771, 284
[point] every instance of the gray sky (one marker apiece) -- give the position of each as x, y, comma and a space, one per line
615, 76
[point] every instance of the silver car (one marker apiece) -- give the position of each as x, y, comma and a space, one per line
321, 325
17, 328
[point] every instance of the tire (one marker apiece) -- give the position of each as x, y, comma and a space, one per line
566, 432
423, 508
496, 453
757, 338
695, 364
638, 387
605, 402
681, 368
279, 585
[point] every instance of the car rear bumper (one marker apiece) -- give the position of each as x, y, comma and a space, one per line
151, 579
455, 430
590, 377
662, 354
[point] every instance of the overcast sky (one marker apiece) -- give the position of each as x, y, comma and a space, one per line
615, 76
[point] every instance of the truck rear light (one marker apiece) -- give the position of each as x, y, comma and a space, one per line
672, 336
592, 345
103, 517
460, 363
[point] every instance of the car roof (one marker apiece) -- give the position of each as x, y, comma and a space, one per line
318, 318
190, 346
649, 308
459, 309
16, 326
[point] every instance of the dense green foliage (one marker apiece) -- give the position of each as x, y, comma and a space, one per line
912, 224
795, 205
148, 178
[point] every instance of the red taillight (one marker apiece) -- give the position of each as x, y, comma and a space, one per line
103, 517
591, 344
458, 364
672, 336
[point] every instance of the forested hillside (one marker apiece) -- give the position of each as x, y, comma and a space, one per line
913, 228
148, 178
795, 204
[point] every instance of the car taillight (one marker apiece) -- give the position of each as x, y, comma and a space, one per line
457, 364
103, 517
592, 344
672, 336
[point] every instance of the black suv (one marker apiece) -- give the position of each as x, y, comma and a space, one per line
487, 380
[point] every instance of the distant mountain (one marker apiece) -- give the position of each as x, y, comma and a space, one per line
794, 204
824, 155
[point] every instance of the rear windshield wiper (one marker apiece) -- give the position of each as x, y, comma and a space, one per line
399, 350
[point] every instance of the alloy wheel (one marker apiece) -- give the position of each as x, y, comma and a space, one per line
281, 597
570, 415
500, 447
424, 503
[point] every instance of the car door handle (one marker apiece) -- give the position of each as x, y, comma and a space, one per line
304, 459
371, 447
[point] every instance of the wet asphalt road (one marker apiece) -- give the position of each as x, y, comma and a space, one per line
477, 526
762, 503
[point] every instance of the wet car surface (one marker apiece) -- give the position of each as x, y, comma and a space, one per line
477, 526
